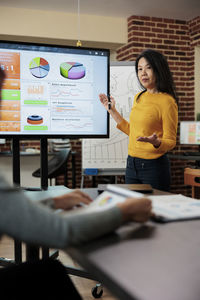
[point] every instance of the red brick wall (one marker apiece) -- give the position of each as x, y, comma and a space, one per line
176, 40
194, 31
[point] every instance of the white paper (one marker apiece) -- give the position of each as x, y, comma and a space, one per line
175, 206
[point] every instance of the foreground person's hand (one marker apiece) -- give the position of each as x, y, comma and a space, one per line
136, 209
72, 199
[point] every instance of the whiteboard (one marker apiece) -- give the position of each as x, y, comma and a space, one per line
112, 153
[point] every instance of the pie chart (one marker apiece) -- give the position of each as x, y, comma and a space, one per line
39, 67
72, 70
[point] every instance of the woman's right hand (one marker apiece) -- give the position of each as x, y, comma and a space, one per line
104, 100
112, 111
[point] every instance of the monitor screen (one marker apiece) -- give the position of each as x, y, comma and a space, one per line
190, 133
53, 91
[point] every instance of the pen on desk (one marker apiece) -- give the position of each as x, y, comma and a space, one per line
109, 102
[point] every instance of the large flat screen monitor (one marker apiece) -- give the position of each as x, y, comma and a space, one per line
190, 133
53, 91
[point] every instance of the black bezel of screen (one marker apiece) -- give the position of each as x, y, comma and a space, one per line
57, 136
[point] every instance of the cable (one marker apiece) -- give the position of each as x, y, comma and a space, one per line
78, 44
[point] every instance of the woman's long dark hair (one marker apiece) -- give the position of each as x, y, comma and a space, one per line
159, 64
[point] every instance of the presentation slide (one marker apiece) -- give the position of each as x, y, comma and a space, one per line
51, 90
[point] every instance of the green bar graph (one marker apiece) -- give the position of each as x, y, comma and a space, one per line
27, 127
11, 95
36, 102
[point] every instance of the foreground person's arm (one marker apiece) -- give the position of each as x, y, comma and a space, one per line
33, 223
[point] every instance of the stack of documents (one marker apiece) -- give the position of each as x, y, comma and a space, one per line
166, 208
175, 207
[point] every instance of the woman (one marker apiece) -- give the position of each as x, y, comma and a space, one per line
153, 122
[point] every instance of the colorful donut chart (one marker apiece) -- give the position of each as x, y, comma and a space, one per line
34, 120
72, 70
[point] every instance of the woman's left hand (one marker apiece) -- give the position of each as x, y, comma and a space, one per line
152, 139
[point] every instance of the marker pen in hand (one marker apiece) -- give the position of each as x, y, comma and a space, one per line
109, 102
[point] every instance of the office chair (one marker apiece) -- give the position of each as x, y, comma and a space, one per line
56, 166
192, 178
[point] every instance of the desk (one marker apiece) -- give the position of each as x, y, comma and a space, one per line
147, 262
186, 157
103, 172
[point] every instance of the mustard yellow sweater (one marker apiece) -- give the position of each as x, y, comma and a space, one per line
151, 113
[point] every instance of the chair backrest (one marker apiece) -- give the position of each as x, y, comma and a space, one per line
192, 177
57, 165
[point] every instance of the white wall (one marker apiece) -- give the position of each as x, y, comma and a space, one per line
62, 28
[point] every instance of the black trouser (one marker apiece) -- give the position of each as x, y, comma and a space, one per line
45, 279
149, 171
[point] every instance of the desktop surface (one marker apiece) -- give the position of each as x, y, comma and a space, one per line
147, 262
52, 191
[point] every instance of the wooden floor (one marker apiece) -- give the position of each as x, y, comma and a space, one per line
84, 286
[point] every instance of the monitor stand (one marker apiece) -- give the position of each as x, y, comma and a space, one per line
16, 179
43, 163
